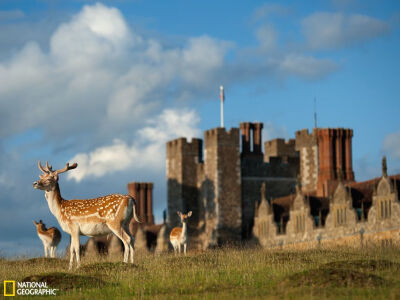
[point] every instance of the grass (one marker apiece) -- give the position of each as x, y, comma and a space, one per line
226, 273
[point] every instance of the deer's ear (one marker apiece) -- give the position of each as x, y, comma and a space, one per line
189, 213
34, 222
40, 222
179, 213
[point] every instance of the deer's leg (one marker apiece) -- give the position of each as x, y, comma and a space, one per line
77, 251
45, 250
71, 253
131, 243
119, 233
184, 248
179, 248
75, 248
174, 246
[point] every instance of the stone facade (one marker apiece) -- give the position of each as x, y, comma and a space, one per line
326, 204
222, 190
347, 221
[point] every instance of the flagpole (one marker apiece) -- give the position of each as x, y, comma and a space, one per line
222, 97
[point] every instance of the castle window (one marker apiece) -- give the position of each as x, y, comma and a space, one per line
386, 209
265, 228
337, 217
300, 223
341, 216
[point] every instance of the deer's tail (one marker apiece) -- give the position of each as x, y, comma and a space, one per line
134, 211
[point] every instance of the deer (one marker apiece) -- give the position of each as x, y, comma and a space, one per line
89, 217
50, 238
179, 235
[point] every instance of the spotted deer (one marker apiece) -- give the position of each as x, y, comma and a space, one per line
178, 235
50, 238
90, 217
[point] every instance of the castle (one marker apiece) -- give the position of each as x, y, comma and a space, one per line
298, 192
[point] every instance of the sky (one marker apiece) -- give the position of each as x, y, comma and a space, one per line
107, 84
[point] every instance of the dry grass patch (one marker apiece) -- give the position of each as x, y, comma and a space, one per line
67, 281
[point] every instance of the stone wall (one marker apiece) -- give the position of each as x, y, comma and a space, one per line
222, 187
183, 158
306, 144
279, 148
382, 227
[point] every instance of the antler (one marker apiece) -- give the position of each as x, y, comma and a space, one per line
66, 168
49, 167
41, 168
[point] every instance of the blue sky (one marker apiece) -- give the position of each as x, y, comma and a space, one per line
106, 84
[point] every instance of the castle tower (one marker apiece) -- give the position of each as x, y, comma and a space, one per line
306, 144
143, 194
335, 158
183, 158
325, 154
221, 189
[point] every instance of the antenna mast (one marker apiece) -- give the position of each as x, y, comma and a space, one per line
222, 97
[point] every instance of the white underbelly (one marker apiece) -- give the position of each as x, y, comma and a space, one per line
45, 239
94, 229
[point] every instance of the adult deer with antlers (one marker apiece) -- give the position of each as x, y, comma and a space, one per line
90, 217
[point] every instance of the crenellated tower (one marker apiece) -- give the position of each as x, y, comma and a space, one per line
222, 187
325, 156
183, 159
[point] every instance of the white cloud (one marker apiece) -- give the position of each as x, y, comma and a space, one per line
269, 9
391, 145
267, 36
306, 66
325, 30
272, 131
100, 78
147, 152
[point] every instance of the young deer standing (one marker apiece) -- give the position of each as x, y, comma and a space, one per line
178, 235
50, 238
91, 217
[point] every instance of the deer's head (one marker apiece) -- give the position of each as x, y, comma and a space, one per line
184, 217
49, 178
39, 225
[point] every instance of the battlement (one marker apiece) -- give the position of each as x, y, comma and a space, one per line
335, 132
279, 148
182, 141
220, 135
251, 139
221, 131
181, 146
304, 138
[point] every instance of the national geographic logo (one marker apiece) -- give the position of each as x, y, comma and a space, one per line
27, 288
9, 288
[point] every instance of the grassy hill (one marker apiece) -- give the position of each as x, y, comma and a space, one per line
372, 273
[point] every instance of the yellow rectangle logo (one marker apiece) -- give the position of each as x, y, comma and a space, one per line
13, 287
